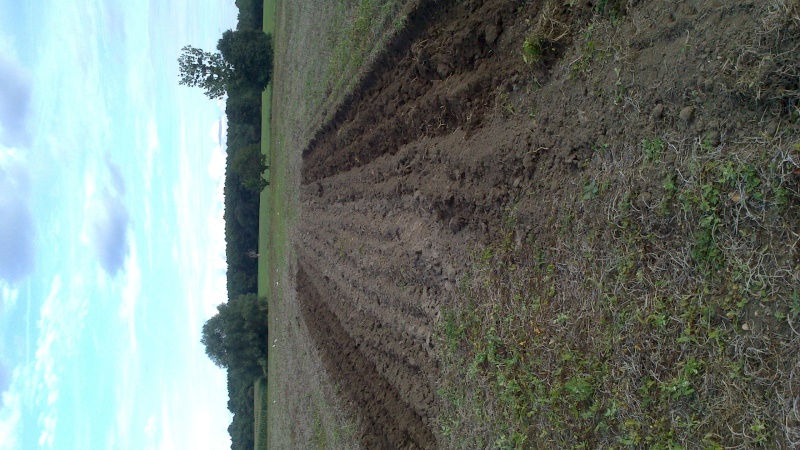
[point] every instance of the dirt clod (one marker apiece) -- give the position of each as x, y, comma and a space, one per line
687, 113
657, 113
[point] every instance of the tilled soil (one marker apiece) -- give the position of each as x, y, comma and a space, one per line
449, 131
388, 210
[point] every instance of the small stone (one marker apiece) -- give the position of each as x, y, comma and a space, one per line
657, 113
746, 327
527, 161
687, 113
713, 138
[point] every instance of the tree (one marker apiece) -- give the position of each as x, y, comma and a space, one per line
249, 52
244, 60
244, 107
249, 163
205, 70
236, 337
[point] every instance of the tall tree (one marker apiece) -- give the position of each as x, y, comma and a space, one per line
244, 60
236, 337
249, 52
205, 70
250, 164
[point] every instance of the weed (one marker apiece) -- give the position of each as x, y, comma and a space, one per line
590, 191
611, 9
653, 149
533, 49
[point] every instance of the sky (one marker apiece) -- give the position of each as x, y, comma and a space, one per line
112, 251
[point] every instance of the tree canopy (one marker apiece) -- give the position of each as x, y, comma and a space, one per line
250, 164
236, 337
249, 52
244, 59
206, 70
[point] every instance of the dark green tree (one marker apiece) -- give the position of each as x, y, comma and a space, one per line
251, 14
244, 107
236, 337
249, 163
249, 52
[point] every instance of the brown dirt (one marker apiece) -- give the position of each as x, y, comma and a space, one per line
452, 130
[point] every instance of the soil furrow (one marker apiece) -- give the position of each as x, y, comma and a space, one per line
387, 420
432, 81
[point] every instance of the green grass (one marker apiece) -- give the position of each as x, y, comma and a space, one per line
270, 7
362, 35
260, 403
265, 225
333, 43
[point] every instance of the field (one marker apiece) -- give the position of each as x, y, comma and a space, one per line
545, 224
260, 407
265, 214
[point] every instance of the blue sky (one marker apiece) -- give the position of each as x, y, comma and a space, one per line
112, 249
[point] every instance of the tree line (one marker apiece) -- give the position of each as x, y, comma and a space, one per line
236, 337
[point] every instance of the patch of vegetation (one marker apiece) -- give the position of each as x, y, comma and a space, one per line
236, 337
260, 413
359, 39
533, 49
611, 9
628, 337
653, 149
592, 51
549, 29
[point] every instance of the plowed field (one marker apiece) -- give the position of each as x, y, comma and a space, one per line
566, 139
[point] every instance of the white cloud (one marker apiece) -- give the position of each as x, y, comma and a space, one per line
10, 417
201, 248
167, 440
216, 166
8, 296
48, 423
195, 413
150, 427
38, 383
153, 147
200, 253
71, 103
52, 333
74, 126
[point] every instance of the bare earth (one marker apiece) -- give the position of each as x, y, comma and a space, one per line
459, 139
